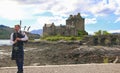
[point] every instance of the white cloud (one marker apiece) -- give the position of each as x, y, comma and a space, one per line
84, 15
21, 9
10, 10
90, 21
27, 9
117, 12
114, 31
13, 11
118, 20
101, 8
48, 20
90, 32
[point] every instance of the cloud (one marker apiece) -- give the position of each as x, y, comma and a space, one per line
90, 32
13, 11
27, 8
48, 20
101, 8
52, 5
60, 7
9, 9
117, 12
90, 21
114, 31
31, 1
118, 20
18, 8
106, 11
48, 11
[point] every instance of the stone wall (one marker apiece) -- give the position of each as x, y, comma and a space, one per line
105, 40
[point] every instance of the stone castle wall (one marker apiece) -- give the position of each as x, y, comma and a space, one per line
73, 24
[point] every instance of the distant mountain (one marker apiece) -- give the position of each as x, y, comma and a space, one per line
39, 31
3, 26
5, 32
116, 33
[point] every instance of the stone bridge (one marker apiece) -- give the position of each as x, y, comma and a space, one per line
105, 40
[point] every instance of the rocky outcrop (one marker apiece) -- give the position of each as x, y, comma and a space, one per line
58, 53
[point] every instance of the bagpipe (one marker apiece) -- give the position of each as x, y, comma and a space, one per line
24, 30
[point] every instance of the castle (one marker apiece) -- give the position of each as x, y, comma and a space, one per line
74, 24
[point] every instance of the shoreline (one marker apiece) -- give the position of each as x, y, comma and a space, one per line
79, 68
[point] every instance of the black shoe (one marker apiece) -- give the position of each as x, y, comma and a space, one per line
20, 72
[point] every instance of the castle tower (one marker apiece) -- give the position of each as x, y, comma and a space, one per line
49, 29
76, 22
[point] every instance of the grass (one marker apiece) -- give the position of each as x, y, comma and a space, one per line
57, 38
105, 60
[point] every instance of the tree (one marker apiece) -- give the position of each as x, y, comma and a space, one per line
100, 32
105, 33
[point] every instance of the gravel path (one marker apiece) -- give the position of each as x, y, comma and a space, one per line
78, 68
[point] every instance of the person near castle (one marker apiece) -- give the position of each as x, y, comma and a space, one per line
17, 40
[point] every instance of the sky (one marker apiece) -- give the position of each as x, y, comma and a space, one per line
98, 14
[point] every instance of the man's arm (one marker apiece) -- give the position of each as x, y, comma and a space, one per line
11, 39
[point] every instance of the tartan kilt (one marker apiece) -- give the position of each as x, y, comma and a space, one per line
17, 52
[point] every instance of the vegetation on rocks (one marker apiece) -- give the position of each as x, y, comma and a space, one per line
57, 38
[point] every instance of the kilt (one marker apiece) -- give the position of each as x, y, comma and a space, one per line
17, 52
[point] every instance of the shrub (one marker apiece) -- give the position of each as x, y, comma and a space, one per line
81, 33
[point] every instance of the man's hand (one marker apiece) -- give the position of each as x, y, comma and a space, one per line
15, 41
18, 39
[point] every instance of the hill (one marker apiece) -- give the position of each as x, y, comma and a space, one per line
5, 32
38, 31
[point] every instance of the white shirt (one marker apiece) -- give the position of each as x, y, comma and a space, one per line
22, 39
